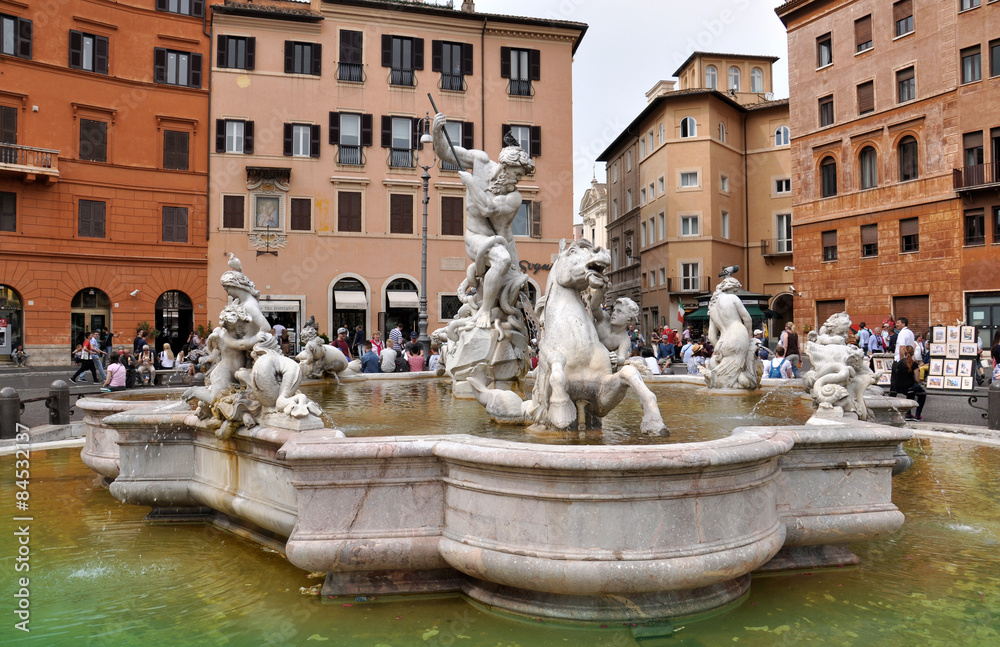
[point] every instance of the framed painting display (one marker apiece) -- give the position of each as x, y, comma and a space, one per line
954, 332
950, 367
952, 382
968, 334
939, 349
940, 335
965, 368
968, 349
952, 350
935, 382
967, 384
885, 379
937, 366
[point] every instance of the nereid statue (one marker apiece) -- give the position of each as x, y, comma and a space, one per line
574, 364
840, 373
317, 358
250, 381
733, 364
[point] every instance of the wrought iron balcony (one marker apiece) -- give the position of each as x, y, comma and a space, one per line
977, 176
402, 76
775, 246
453, 82
400, 158
28, 162
689, 284
351, 72
520, 88
350, 155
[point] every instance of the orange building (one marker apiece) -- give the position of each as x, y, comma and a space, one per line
895, 154
321, 197
103, 171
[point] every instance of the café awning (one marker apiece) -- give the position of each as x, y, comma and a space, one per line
350, 300
403, 299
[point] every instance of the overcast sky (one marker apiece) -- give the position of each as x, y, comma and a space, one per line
632, 44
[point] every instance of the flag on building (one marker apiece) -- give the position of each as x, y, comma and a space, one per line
680, 312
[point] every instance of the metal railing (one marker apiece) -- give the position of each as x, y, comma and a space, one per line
520, 88
400, 158
351, 72
453, 82
775, 246
689, 284
975, 176
350, 155
27, 156
401, 76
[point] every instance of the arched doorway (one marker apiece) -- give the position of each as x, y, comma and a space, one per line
782, 305
11, 320
402, 303
349, 306
90, 310
174, 319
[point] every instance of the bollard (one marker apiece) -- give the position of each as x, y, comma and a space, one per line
994, 405
10, 413
58, 403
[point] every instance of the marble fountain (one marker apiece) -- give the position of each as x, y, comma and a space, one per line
594, 533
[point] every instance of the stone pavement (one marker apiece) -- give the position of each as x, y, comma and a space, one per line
32, 382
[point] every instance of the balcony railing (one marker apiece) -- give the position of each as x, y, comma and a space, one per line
351, 72
689, 284
976, 176
400, 158
453, 82
400, 76
775, 246
350, 155
520, 88
26, 160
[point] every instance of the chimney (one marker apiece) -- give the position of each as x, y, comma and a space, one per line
468, 6
658, 90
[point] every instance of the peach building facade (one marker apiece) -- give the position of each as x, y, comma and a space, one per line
711, 189
321, 196
895, 158
103, 172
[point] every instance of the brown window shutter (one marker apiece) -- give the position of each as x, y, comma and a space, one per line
866, 97
826, 309
248, 137
289, 56
505, 62
316, 49
451, 216
916, 309
300, 220
386, 50
314, 133
869, 235
159, 65
535, 64
902, 9
468, 130
348, 211
8, 125
220, 135
536, 219
169, 145
418, 53
435, 56
100, 54
287, 149
75, 49
909, 227
334, 128
195, 76
467, 64
386, 131
366, 130
251, 52
232, 212
863, 30
84, 218
400, 214
220, 51
536, 141
24, 38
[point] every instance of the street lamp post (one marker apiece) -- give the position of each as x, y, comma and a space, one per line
425, 138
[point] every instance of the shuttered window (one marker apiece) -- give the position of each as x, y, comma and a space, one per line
8, 211
902, 15
863, 33
917, 311
826, 309
303, 58
175, 224
400, 213
232, 211
349, 211
174, 67
829, 246
175, 150
15, 36
869, 241
906, 85
452, 221
91, 218
301, 214
186, 7
909, 234
88, 52
8, 125
236, 52
866, 97
350, 66
93, 140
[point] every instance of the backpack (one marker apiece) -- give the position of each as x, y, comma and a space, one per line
402, 366
775, 370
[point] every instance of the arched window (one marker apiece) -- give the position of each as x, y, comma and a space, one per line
908, 166
828, 177
756, 80
869, 167
734, 78
711, 77
722, 132
782, 136
689, 127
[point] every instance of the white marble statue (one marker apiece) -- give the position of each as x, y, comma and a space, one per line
250, 381
840, 374
490, 326
318, 359
733, 364
574, 365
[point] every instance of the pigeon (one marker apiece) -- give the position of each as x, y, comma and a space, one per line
234, 263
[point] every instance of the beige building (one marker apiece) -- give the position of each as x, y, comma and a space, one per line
895, 157
317, 109
594, 214
703, 176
